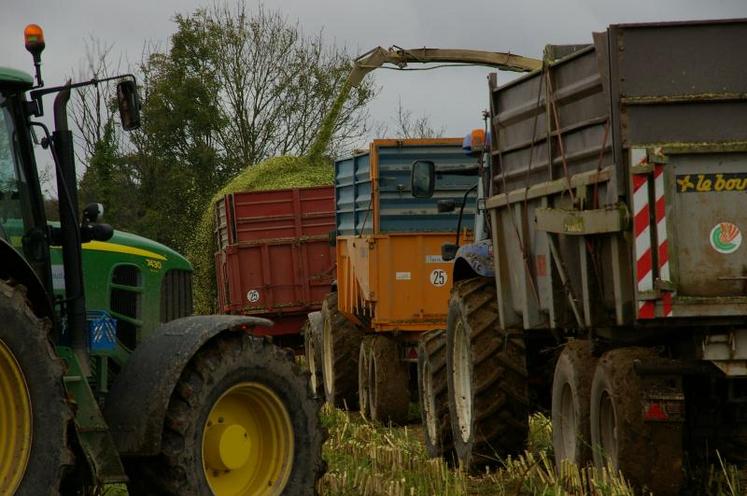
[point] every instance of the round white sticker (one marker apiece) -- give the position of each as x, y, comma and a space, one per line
725, 237
439, 278
252, 296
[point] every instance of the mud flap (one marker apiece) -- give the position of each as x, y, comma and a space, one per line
139, 397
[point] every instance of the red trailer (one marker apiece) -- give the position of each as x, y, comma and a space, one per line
273, 255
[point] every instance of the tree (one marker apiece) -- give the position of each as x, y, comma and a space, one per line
405, 125
409, 126
107, 179
93, 107
277, 84
99, 140
233, 88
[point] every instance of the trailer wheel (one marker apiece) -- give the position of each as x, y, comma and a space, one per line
341, 340
312, 337
571, 400
241, 420
649, 454
434, 396
364, 378
487, 377
34, 415
389, 382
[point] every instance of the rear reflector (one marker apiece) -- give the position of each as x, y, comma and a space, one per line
655, 411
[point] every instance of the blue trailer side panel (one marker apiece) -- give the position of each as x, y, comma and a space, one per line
353, 195
398, 210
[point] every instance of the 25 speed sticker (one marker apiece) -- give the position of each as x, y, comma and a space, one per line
439, 278
726, 237
252, 295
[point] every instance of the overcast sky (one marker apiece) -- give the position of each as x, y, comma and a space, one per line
453, 98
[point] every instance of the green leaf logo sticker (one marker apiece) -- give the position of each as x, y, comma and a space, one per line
726, 237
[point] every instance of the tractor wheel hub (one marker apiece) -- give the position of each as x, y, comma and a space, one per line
227, 447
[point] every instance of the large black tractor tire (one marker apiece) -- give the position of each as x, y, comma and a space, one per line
433, 395
649, 454
487, 378
341, 341
35, 417
312, 340
389, 382
571, 402
237, 389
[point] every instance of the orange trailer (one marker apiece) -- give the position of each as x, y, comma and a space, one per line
392, 283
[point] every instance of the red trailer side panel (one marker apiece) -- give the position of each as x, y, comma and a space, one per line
274, 259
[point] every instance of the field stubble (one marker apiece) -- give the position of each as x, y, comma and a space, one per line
369, 460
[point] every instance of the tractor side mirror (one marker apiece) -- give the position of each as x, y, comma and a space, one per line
92, 228
93, 213
129, 105
448, 251
423, 178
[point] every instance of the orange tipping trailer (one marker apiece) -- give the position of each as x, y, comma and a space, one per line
392, 282
391, 275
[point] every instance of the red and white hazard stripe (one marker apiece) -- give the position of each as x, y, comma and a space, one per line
661, 236
642, 232
642, 227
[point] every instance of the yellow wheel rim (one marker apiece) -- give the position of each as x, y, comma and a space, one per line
247, 442
15, 422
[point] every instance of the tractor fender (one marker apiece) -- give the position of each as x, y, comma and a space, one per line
136, 405
17, 268
475, 259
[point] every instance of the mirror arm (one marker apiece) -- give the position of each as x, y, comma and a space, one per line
461, 212
45, 91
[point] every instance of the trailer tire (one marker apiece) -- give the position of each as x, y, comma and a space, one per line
237, 385
389, 382
571, 402
341, 340
312, 341
434, 395
620, 436
487, 377
36, 418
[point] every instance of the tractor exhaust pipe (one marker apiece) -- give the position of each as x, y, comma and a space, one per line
62, 139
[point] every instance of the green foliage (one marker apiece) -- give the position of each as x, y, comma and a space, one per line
106, 179
234, 88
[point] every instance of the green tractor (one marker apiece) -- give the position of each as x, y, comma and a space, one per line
108, 379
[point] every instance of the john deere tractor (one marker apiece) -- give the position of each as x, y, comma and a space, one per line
99, 394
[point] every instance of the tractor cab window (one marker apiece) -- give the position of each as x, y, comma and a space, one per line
14, 218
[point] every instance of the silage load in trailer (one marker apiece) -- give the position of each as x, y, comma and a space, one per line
274, 173
313, 169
